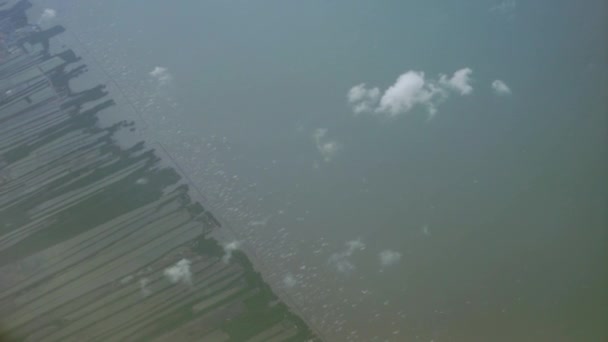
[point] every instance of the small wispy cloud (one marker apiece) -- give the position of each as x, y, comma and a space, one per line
180, 272
257, 223
229, 248
363, 99
459, 82
48, 14
501, 88
426, 230
388, 257
327, 148
143, 286
161, 75
289, 280
341, 260
505, 6
410, 90
141, 181
126, 279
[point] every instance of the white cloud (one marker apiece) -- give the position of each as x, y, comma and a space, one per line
319, 134
501, 88
228, 249
180, 272
289, 281
257, 223
363, 99
341, 260
425, 230
411, 89
143, 286
388, 257
354, 245
47, 15
141, 181
327, 148
342, 264
459, 82
162, 75
126, 279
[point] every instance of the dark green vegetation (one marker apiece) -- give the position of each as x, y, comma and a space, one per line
87, 227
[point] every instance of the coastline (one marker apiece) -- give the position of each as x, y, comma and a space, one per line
90, 227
